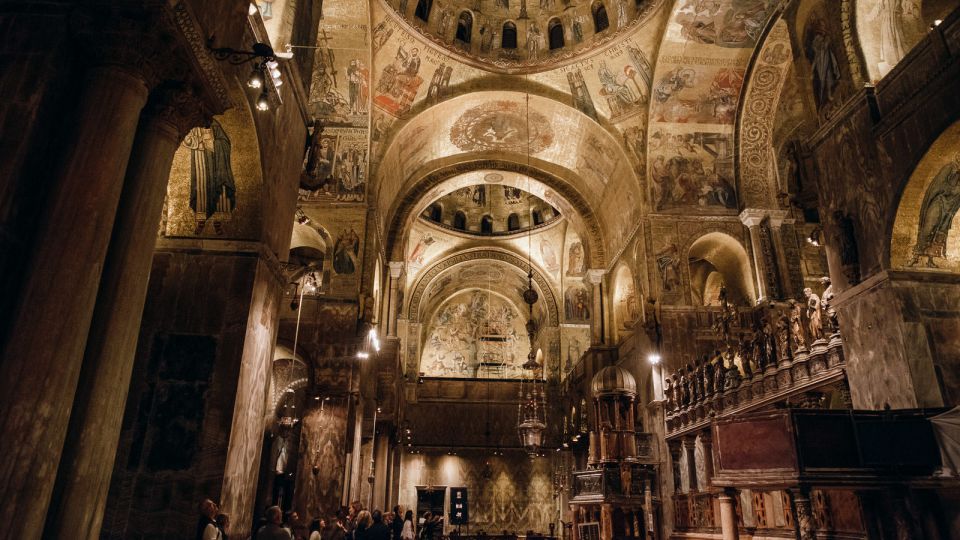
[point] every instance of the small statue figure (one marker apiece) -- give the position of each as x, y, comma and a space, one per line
708, 376
783, 339
684, 390
719, 373
732, 377
796, 325
814, 314
668, 392
758, 347
826, 306
746, 356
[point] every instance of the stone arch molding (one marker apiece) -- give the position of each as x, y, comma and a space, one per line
756, 169
543, 284
408, 207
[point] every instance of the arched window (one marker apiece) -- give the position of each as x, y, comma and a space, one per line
600, 20
555, 33
536, 217
460, 221
513, 222
486, 225
465, 27
508, 39
436, 213
423, 10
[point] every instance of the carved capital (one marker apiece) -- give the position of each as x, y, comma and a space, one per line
180, 106
779, 217
752, 217
595, 276
396, 269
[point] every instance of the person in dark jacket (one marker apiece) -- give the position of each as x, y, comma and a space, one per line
377, 531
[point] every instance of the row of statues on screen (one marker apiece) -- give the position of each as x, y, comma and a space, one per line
777, 336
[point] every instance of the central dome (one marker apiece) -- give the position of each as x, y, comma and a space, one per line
490, 210
522, 35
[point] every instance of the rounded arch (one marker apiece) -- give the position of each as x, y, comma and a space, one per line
444, 180
766, 76
415, 301
924, 235
508, 35
464, 27
290, 372
228, 201
716, 259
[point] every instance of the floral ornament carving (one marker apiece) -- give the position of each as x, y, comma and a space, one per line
755, 160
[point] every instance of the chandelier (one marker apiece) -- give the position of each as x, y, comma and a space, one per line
532, 406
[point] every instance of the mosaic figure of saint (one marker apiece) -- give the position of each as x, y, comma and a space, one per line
213, 193
346, 252
940, 205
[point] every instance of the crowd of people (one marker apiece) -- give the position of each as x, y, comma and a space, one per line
352, 523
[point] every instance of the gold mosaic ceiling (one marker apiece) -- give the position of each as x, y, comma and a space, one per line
522, 35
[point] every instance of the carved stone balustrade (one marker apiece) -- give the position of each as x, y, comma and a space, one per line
786, 356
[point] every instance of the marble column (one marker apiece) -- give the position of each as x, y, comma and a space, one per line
706, 442
87, 462
689, 454
48, 330
803, 514
779, 218
393, 307
595, 278
763, 265
728, 516
606, 521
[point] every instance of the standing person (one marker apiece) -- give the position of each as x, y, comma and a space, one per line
377, 530
207, 528
273, 530
223, 523
317, 528
396, 526
364, 521
408, 531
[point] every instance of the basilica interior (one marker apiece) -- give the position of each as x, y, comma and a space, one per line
549, 269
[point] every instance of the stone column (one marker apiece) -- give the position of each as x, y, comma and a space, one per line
689, 453
778, 218
396, 270
803, 514
728, 516
48, 330
606, 521
595, 278
762, 262
87, 462
706, 441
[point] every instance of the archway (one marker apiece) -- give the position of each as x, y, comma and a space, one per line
715, 260
924, 233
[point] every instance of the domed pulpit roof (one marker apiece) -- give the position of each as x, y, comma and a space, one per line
613, 380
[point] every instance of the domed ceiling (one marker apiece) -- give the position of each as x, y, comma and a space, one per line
522, 35
490, 210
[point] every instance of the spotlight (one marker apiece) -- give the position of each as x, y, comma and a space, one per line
263, 102
654, 359
363, 355
256, 78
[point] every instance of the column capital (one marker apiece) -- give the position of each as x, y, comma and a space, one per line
396, 268
780, 217
178, 105
751, 217
595, 275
